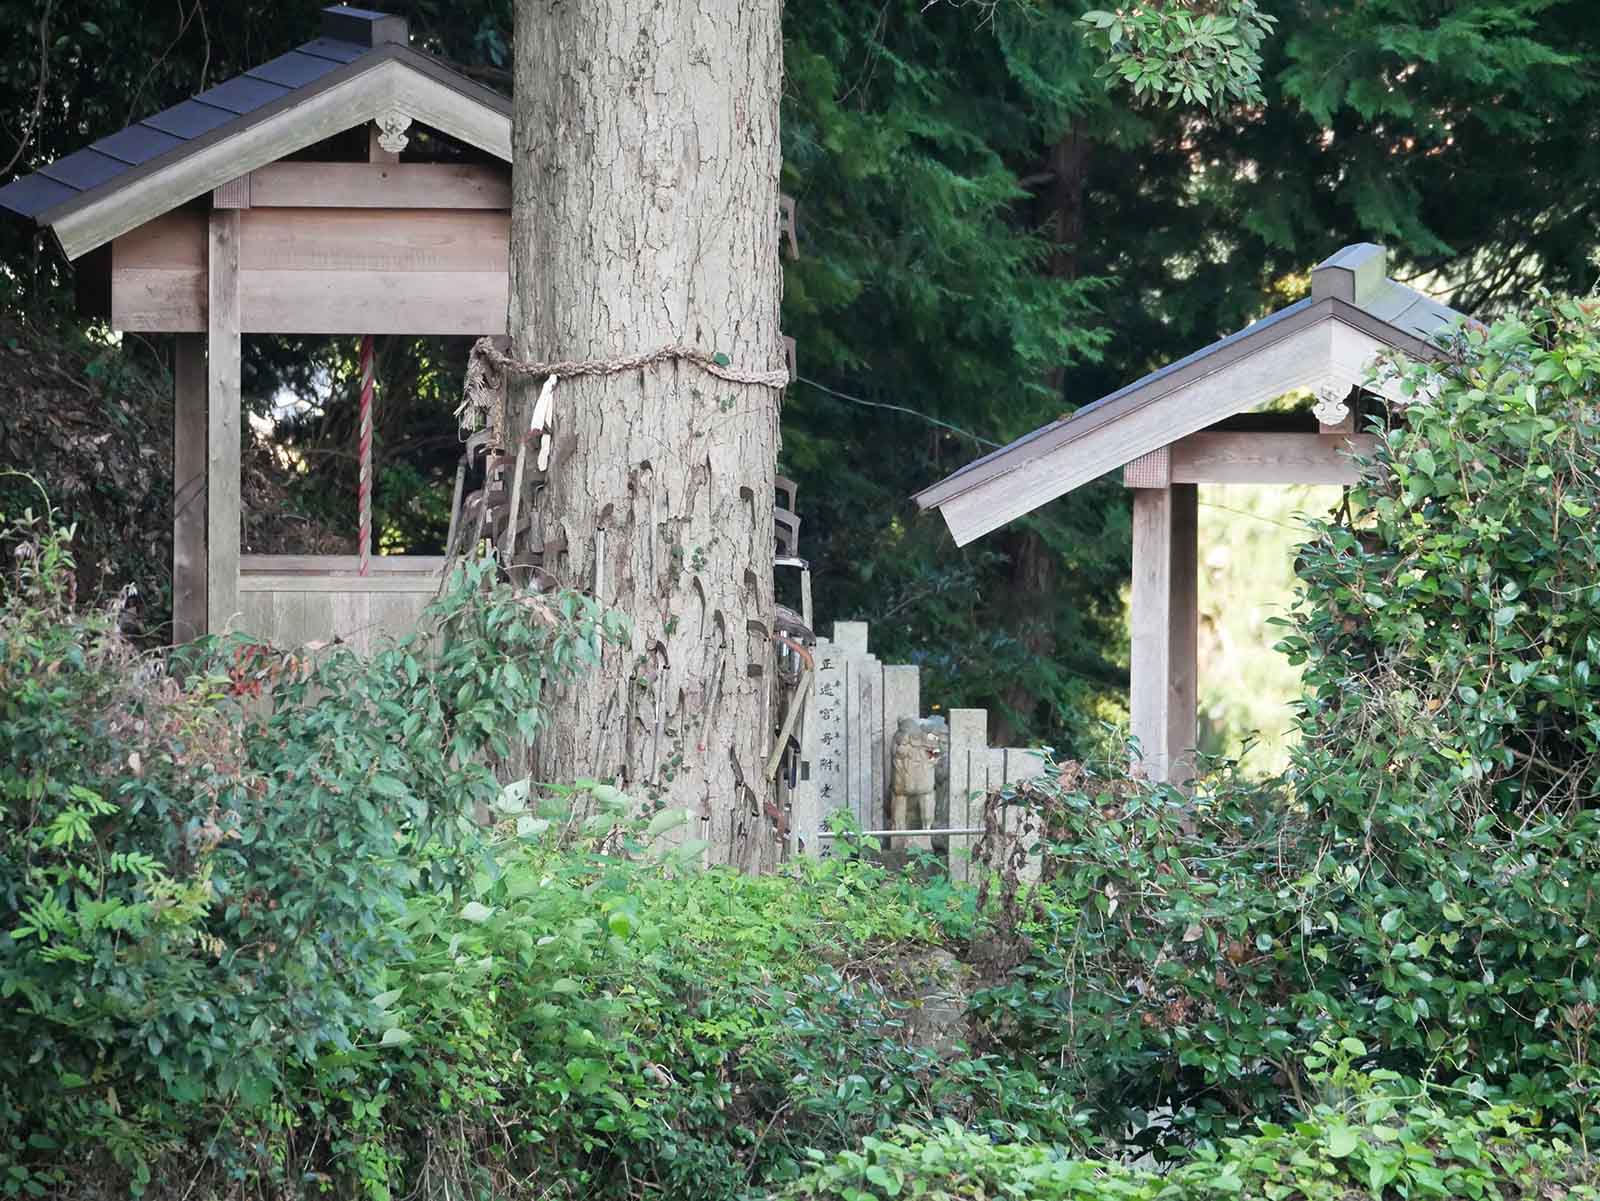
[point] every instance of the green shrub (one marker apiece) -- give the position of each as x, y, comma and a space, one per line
622, 1021
202, 863
1385, 1142
1451, 726
1159, 964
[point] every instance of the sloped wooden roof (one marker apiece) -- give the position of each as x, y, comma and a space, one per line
359, 69
1326, 339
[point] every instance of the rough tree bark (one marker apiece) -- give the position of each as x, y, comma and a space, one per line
644, 209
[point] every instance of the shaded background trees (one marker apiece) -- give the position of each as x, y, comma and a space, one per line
988, 238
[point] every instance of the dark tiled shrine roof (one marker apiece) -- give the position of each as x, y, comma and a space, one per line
103, 161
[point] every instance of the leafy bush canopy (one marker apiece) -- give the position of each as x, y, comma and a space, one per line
204, 863
1195, 51
259, 936
1389, 1143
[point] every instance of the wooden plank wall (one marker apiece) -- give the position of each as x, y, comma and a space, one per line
322, 271
380, 185
293, 610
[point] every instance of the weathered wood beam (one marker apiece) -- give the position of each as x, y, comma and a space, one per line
1213, 458
300, 582
189, 488
326, 302
334, 565
428, 101
322, 271
1327, 344
223, 354
1153, 470
380, 185
1163, 701
1299, 358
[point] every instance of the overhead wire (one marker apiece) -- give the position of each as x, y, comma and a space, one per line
883, 404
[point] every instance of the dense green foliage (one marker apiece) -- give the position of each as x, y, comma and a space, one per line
256, 935
96, 422
918, 286
1166, 228
1205, 53
1385, 1141
201, 890
1424, 879
254, 945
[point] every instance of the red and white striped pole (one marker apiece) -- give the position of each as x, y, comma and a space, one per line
364, 489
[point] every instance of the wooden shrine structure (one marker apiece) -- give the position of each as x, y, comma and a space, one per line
1200, 421
350, 186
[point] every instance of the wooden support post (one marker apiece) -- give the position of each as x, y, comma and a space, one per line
223, 354
235, 194
375, 152
188, 487
1238, 458
1165, 629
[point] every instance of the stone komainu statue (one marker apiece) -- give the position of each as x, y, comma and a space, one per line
921, 757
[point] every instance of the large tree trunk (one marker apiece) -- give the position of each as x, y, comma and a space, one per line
645, 139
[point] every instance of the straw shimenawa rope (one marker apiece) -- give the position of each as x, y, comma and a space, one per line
488, 366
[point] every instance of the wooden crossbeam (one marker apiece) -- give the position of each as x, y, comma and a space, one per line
380, 185
1249, 458
321, 271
